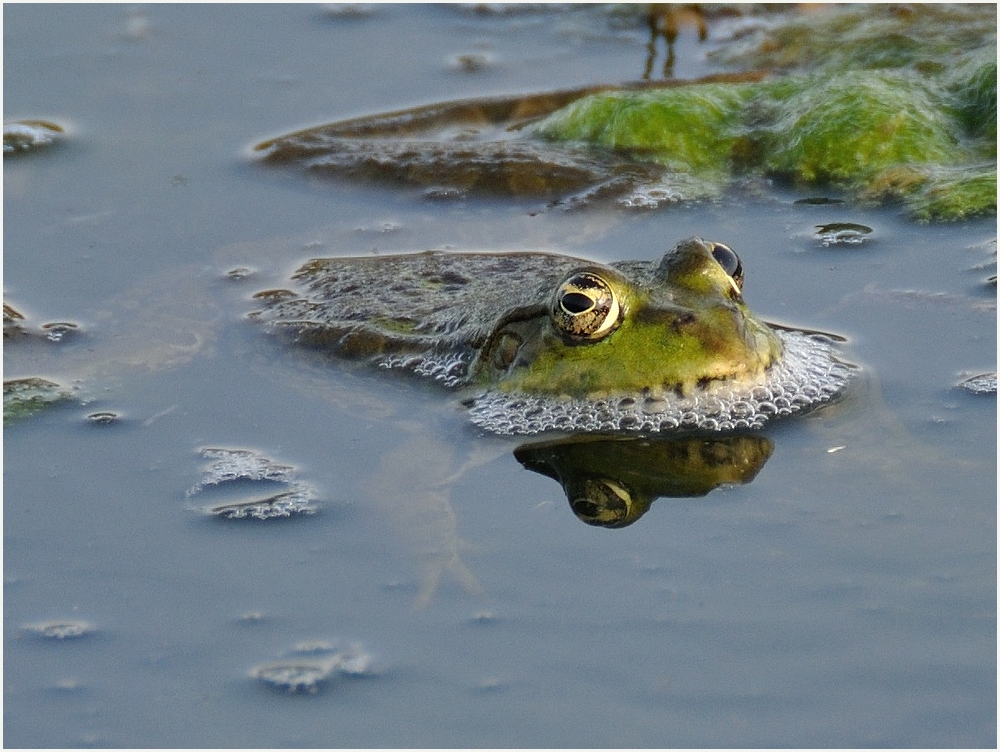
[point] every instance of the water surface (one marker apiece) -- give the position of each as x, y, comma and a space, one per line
844, 597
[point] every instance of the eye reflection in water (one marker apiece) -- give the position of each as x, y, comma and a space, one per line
612, 481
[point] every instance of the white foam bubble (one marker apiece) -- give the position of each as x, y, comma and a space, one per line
809, 374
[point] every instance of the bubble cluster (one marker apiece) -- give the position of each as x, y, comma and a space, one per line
28, 135
310, 666
234, 472
809, 374
240, 464
286, 504
842, 233
450, 370
984, 383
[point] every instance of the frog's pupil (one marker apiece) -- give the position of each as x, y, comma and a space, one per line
576, 303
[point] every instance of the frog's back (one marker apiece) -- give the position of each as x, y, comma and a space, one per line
432, 310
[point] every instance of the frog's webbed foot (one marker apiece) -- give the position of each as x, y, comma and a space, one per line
431, 574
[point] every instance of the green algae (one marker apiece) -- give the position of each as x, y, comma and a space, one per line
927, 38
884, 104
888, 103
844, 130
23, 398
973, 88
939, 193
688, 128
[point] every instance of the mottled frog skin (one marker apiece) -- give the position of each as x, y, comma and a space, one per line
547, 342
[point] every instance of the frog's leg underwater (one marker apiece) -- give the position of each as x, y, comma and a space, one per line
413, 484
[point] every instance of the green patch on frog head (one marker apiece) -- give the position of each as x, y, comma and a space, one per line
603, 333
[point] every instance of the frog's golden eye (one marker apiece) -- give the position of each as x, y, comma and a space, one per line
730, 264
586, 307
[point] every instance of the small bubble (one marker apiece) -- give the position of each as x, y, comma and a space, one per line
490, 684
56, 330
349, 11
628, 422
313, 646
742, 409
354, 662
313, 666
240, 272
471, 62
293, 677
102, 418
60, 629
842, 233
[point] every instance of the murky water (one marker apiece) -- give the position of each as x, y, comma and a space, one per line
448, 596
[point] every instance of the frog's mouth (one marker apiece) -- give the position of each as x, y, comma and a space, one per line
809, 374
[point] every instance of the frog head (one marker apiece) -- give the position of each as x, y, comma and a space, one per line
618, 331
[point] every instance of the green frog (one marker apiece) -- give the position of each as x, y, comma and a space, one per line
543, 342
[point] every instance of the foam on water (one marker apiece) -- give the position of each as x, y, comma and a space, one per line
809, 374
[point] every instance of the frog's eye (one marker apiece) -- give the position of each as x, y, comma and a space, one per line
586, 307
730, 264
603, 502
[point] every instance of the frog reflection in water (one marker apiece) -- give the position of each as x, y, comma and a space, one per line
542, 342
612, 481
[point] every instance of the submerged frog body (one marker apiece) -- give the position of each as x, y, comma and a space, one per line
547, 342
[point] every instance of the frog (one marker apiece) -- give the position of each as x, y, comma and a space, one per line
541, 342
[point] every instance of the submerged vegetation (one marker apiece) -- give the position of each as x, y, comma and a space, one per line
23, 398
